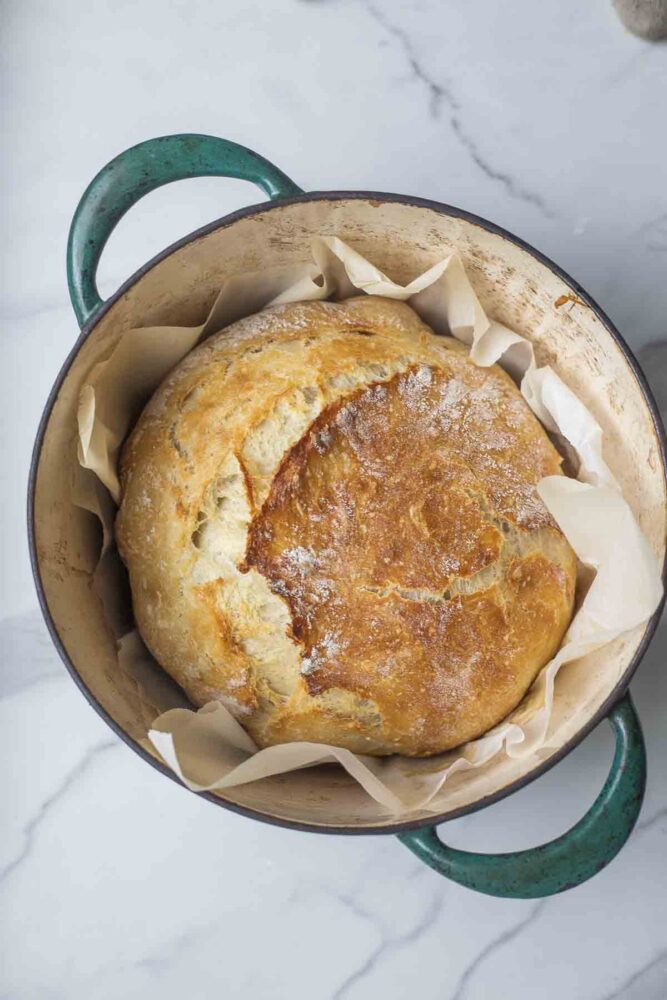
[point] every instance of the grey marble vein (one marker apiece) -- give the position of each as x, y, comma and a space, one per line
397, 941
439, 93
647, 983
173, 950
512, 186
493, 946
31, 829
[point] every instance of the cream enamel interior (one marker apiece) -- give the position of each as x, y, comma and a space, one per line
403, 240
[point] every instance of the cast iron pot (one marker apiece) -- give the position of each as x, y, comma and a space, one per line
403, 236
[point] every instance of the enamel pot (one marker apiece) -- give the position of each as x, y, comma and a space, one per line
403, 236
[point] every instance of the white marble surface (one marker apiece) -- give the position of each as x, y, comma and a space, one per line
544, 117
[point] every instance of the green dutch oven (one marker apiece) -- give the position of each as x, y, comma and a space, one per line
403, 236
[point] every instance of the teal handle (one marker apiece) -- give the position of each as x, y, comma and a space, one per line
569, 860
134, 173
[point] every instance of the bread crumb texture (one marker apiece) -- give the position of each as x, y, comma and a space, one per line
330, 523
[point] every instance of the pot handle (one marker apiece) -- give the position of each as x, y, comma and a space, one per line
568, 860
134, 173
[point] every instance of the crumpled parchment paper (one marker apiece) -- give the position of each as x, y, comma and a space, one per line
209, 749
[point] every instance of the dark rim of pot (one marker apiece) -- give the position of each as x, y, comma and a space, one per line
225, 222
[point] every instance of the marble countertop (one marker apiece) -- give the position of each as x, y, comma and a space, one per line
546, 118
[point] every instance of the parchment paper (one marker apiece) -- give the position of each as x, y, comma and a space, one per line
208, 749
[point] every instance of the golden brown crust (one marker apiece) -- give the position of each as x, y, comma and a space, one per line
330, 521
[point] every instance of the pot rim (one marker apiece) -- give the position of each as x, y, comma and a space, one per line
223, 223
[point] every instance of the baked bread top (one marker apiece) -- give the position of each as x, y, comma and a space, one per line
330, 523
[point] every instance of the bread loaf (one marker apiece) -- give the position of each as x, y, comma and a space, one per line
330, 523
